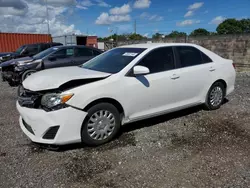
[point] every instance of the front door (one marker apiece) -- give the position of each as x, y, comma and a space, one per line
61, 58
157, 91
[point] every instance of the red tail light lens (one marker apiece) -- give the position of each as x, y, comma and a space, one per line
234, 66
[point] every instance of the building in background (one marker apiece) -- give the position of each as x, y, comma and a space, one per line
77, 40
9, 42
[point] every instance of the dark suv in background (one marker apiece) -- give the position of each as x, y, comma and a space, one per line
60, 56
27, 50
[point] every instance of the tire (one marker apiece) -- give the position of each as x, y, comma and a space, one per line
89, 126
211, 104
27, 74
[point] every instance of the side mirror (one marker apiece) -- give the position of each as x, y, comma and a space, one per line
140, 70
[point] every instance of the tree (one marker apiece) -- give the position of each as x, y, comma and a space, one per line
231, 26
245, 24
157, 36
175, 34
135, 36
200, 32
213, 33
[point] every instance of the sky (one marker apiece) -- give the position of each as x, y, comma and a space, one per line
105, 17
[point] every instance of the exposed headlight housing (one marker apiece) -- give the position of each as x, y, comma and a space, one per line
20, 63
54, 99
28, 62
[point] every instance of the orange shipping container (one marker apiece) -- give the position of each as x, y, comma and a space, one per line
9, 42
92, 41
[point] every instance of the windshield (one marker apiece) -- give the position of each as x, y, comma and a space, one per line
114, 60
45, 53
20, 49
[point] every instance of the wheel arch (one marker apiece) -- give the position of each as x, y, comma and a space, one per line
106, 100
222, 81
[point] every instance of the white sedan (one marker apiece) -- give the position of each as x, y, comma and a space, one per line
89, 103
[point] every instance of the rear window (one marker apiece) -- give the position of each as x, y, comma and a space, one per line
205, 58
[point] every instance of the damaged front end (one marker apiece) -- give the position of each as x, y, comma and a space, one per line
8, 74
40, 99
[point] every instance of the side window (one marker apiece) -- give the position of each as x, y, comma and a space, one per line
205, 58
64, 53
96, 53
189, 56
159, 60
44, 47
69, 52
82, 52
32, 49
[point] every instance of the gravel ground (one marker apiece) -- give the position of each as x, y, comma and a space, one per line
191, 148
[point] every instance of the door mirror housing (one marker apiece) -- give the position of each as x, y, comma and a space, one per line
140, 70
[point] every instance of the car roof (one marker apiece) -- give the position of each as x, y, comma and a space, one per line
157, 45
42, 43
79, 46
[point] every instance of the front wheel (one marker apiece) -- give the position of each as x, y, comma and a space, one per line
27, 73
215, 96
101, 124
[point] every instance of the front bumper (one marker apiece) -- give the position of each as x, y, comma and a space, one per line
35, 123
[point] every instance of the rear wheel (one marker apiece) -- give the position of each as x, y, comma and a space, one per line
215, 96
101, 124
27, 73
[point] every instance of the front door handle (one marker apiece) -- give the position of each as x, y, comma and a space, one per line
211, 69
174, 76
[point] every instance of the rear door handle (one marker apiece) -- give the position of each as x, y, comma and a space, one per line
174, 76
211, 69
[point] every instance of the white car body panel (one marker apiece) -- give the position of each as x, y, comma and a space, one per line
51, 79
140, 97
68, 119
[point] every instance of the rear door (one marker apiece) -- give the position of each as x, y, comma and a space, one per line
195, 74
82, 55
61, 58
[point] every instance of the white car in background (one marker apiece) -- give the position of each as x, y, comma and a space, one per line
89, 103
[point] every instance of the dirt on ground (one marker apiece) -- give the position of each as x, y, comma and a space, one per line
189, 148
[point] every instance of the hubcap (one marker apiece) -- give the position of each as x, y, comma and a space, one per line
216, 96
101, 125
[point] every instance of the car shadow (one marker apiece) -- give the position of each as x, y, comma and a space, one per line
160, 119
125, 137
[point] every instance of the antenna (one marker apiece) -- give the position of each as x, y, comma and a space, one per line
135, 27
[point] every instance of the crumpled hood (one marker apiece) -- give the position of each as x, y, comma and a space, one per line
13, 61
54, 78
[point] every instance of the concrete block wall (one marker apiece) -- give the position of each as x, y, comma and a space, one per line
235, 47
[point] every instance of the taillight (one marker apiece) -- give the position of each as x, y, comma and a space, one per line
234, 65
